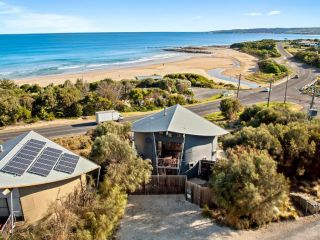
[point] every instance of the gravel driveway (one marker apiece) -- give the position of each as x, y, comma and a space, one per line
170, 217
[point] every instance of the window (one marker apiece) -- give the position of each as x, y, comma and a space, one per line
4, 208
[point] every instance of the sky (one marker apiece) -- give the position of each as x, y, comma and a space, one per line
50, 16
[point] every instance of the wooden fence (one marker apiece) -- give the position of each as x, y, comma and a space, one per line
172, 184
198, 195
164, 184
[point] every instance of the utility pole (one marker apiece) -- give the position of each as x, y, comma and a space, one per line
270, 89
285, 94
239, 85
313, 96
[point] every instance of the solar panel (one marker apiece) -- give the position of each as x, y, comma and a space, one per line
45, 162
19, 163
67, 163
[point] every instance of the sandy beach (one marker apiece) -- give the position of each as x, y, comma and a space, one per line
232, 61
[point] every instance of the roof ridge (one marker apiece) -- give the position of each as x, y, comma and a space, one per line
174, 113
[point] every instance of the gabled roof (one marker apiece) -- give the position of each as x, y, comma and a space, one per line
13, 146
180, 120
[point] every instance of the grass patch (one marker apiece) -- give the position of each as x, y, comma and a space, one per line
263, 78
215, 117
292, 106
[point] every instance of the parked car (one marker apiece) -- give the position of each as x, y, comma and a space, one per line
111, 115
228, 93
296, 76
267, 90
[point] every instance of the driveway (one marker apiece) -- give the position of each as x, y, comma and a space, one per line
162, 217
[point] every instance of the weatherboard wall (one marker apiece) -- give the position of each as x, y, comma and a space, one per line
36, 200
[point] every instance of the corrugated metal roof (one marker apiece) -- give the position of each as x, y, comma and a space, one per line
180, 120
11, 147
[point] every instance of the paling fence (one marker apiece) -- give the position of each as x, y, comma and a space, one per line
173, 184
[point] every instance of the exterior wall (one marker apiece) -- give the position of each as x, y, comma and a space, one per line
36, 200
144, 145
197, 148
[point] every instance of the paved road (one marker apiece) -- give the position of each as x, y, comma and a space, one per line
306, 75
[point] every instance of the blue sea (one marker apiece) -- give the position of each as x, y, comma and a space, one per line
30, 55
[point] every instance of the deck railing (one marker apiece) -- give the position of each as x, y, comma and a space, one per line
172, 163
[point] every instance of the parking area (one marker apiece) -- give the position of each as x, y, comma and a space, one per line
162, 217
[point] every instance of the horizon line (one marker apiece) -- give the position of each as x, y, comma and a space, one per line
208, 31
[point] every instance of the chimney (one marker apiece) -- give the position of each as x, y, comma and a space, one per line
165, 111
1, 149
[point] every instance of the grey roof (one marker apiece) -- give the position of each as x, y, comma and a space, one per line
180, 120
11, 147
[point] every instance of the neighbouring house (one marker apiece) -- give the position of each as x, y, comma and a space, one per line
178, 141
153, 77
34, 173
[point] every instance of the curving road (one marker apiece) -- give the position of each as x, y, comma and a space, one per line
306, 75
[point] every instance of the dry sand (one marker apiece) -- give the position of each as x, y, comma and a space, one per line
200, 64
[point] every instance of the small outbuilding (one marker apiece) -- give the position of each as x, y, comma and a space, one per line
178, 141
34, 173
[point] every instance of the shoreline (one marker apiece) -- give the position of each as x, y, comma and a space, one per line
221, 57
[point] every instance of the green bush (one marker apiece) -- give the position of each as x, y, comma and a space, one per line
248, 188
255, 115
263, 48
230, 108
270, 66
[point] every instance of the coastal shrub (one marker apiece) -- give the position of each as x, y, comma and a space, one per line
197, 80
230, 108
259, 138
295, 146
255, 115
309, 57
263, 48
248, 188
270, 66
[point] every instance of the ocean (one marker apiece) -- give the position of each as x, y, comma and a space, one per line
30, 55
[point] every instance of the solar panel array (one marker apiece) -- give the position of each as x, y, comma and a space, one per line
45, 162
22, 160
67, 163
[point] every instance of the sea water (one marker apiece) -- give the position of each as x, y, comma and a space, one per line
30, 55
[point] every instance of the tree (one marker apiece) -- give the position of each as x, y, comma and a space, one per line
110, 90
9, 108
259, 138
248, 188
230, 108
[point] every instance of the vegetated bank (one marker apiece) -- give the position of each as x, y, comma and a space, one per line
30, 103
275, 143
91, 213
307, 51
265, 50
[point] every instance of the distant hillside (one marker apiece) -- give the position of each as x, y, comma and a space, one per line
311, 31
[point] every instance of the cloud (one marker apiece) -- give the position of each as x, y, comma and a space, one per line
21, 20
274, 12
253, 14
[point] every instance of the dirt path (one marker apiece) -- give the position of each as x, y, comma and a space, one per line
162, 217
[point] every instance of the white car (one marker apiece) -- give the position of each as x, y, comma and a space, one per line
267, 90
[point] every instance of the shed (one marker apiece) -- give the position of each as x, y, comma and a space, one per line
177, 141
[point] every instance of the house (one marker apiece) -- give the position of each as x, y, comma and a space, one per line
153, 77
34, 173
178, 141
